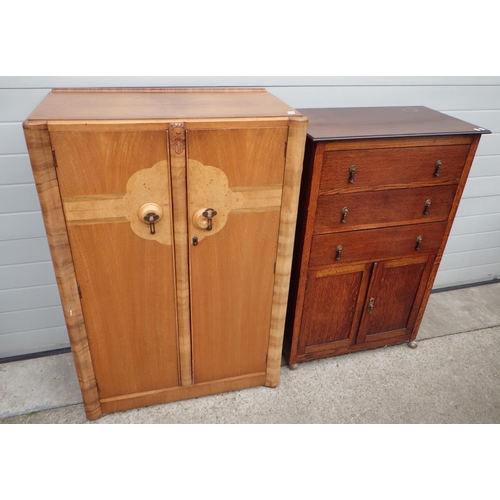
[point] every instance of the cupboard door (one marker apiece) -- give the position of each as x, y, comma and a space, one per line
333, 304
124, 272
393, 298
238, 173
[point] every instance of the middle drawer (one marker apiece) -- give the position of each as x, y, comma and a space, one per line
376, 244
363, 210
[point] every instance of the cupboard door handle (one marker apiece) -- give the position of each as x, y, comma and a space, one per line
339, 252
345, 211
427, 206
437, 173
202, 218
419, 241
352, 171
371, 305
150, 213
209, 214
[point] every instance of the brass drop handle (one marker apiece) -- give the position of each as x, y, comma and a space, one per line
209, 214
352, 171
339, 252
345, 211
419, 242
437, 173
371, 305
150, 213
202, 218
427, 206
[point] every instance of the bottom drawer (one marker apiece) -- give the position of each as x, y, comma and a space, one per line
375, 244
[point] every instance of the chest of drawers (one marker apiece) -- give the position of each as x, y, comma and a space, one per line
380, 190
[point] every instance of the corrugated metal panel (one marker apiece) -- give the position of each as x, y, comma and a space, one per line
30, 313
33, 297
478, 217
33, 341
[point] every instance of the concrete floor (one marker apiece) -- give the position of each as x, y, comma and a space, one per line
453, 377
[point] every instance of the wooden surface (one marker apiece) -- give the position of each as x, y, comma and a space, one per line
376, 244
126, 280
393, 291
166, 319
283, 266
365, 282
393, 207
332, 307
451, 218
398, 167
178, 105
44, 171
232, 267
335, 124
177, 152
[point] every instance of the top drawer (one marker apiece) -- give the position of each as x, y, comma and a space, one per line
394, 167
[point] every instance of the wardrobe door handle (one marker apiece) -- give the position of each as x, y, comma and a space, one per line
150, 213
202, 218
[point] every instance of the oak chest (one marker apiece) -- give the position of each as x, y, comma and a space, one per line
170, 215
380, 190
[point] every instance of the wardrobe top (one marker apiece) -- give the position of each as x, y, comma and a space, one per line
160, 104
379, 122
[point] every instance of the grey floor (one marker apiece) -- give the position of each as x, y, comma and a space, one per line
453, 377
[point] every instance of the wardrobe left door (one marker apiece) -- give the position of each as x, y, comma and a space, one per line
115, 188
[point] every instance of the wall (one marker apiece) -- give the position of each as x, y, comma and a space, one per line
31, 318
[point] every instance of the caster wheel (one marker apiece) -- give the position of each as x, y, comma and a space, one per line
413, 345
294, 366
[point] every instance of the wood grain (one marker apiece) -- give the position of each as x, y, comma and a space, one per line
383, 121
126, 279
167, 322
177, 394
439, 255
288, 223
376, 244
128, 298
395, 170
393, 207
332, 307
231, 307
392, 168
171, 105
40, 152
393, 289
178, 166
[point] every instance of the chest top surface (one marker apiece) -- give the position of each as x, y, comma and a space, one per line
329, 124
160, 104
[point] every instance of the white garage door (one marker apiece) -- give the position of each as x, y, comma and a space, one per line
31, 318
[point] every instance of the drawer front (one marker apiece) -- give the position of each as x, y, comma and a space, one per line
429, 165
347, 211
375, 244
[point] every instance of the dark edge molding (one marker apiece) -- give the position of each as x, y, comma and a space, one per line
34, 355
467, 285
